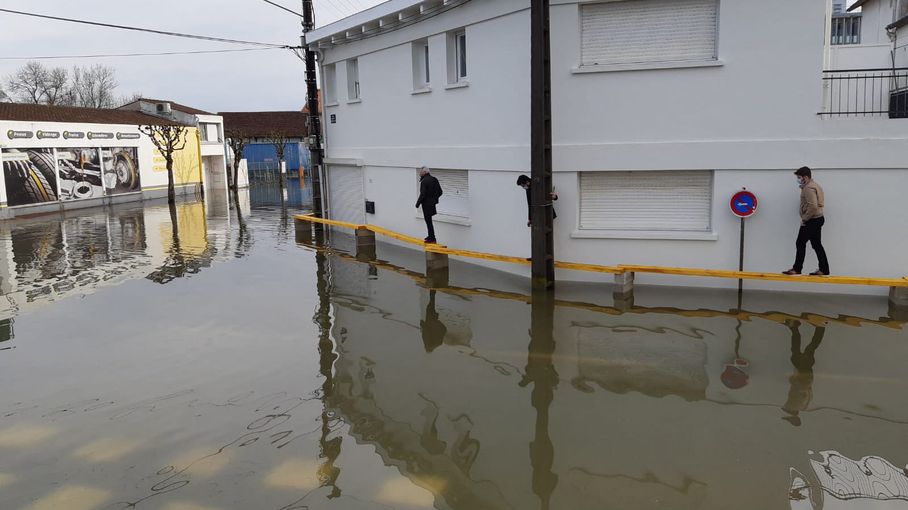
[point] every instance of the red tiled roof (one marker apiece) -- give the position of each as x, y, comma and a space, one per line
262, 124
43, 113
176, 106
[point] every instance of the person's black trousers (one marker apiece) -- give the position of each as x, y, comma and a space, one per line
811, 231
427, 213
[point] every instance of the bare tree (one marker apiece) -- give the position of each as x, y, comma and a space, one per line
27, 84
279, 141
237, 145
56, 86
3, 97
93, 87
168, 139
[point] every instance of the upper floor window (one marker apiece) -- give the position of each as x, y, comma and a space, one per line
330, 84
648, 31
846, 29
421, 75
353, 79
210, 132
457, 56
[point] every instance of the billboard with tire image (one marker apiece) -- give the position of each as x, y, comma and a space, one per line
80, 173
29, 176
121, 170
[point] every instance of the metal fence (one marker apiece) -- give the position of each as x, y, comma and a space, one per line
866, 92
268, 171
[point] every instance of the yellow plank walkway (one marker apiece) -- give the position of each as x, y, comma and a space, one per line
620, 269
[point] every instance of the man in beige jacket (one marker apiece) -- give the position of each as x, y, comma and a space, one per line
812, 222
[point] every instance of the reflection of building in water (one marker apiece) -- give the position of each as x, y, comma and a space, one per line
48, 259
865, 483
619, 409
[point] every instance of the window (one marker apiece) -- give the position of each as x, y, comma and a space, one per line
457, 57
678, 201
421, 76
647, 31
352, 79
330, 84
846, 29
210, 132
455, 198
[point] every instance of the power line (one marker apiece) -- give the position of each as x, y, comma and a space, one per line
137, 29
111, 55
279, 6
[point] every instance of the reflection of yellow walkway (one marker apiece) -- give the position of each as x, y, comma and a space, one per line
621, 268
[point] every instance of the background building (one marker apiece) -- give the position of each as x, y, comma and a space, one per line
261, 131
57, 158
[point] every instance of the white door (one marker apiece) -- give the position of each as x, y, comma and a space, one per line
345, 194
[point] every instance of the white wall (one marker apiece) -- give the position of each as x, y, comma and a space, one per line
753, 120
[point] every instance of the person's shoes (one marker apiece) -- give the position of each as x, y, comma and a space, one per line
791, 272
430, 241
818, 273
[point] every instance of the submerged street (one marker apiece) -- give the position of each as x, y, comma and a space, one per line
222, 365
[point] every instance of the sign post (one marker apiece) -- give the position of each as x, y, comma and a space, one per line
743, 205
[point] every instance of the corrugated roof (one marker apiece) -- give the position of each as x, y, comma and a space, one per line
176, 106
263, 124
44, 113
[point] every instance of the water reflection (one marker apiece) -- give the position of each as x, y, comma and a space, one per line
293, 376
51, 258
652, 417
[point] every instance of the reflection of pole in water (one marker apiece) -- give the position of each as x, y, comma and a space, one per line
542, 374
329, 449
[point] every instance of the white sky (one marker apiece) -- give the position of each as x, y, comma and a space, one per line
260, 80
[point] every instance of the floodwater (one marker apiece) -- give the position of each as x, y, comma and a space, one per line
227, 364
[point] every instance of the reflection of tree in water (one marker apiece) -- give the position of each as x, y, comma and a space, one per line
800, 390
244, 235
178, 264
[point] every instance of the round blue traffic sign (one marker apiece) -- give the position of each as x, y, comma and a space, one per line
743, 204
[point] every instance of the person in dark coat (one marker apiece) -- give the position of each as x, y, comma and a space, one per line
524, 182
429, 193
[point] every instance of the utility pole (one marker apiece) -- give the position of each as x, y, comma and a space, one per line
314, 123
541, 214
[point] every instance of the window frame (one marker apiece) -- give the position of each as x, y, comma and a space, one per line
354, 91
330, 84
422, 74
460, 56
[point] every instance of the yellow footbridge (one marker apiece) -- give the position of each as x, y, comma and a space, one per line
621, 269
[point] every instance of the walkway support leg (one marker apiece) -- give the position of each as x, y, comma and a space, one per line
365, 245
437, 274
303, 231
624, 286
898, 303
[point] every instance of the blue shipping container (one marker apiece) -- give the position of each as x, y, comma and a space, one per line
258, 153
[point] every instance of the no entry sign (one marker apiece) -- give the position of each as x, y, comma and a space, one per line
743, 204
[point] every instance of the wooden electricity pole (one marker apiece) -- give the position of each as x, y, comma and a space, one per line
541, 215
314, 123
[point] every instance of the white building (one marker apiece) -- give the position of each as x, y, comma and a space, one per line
211, 134
662, 109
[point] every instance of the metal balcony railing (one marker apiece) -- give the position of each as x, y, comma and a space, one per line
866, 92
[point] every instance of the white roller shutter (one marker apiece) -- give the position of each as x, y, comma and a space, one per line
639, 31
646, 201
455, 186
345, 194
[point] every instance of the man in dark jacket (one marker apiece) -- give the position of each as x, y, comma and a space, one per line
524, 182
429, 193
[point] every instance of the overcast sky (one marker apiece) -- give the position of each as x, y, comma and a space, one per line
247, 81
